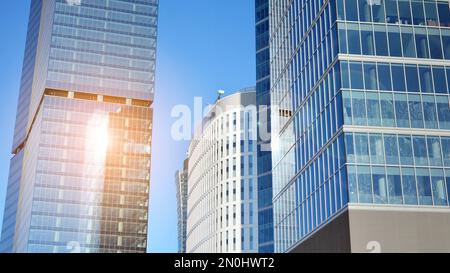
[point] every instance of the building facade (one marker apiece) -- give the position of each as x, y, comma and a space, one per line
80, 172
181, 185
360, 125
222, 214
265, 208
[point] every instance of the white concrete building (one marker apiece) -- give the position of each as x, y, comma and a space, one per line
222, 178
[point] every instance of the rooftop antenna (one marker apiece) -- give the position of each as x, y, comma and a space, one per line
220, 93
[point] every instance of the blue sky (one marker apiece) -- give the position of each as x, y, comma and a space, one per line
203, 45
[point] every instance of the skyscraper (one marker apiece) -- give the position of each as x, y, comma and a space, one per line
80, 171
360, 125
181, 180
265, 208
222, 215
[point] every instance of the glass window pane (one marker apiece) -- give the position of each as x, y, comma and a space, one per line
377, 11
440, 84
429, 112
394, 41
401, 111
365, 185
435, 44
373, 109
353, 39
446, 43
409, 186
342, 38
387, 110
418, 13
420, 151
422, 44
434, 151
391, 149
404, 12
443, 111
352, 184
394, 186
438, 186
409, 48
345, 75
362, 148
446, 151
431, 13
347, 107
351, 9
359, 108
384, 77
368, 46
356, 75
405, 147
426, 81
398, 77
380, 189
365, 14
415, 111
412, 78
444, 14
391, 11
424, 186
376, 149
381, 40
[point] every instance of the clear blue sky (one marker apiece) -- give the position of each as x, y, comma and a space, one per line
203, 45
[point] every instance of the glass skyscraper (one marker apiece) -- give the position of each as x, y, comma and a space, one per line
80, 172
265, 208
360, 124
181, 180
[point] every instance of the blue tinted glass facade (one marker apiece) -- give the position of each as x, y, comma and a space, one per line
361, 89
265, 214
79, 177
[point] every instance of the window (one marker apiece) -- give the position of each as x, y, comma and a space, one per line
440, 85
443, 111
391, 149
350, 150
418, 13
353, 39
362, 148
415, 111
446, 151
401, 111
379, 185
429, 111
434, 151
444, 14
356, 75
435, 43
394, 186
381, 40
368, 47
384, 77
431, 13
347, 107
420, 151
409, 186
365, 15
404, 12
426, 82
398, 77
373, 109
438, 186
351, 9
387, 109
359, 108
405, 148
391, 11
376, 149
421, 43
409, 49
394, 41
411, 78
370, 76
424, 186
377, 11
345, 75
365, 185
